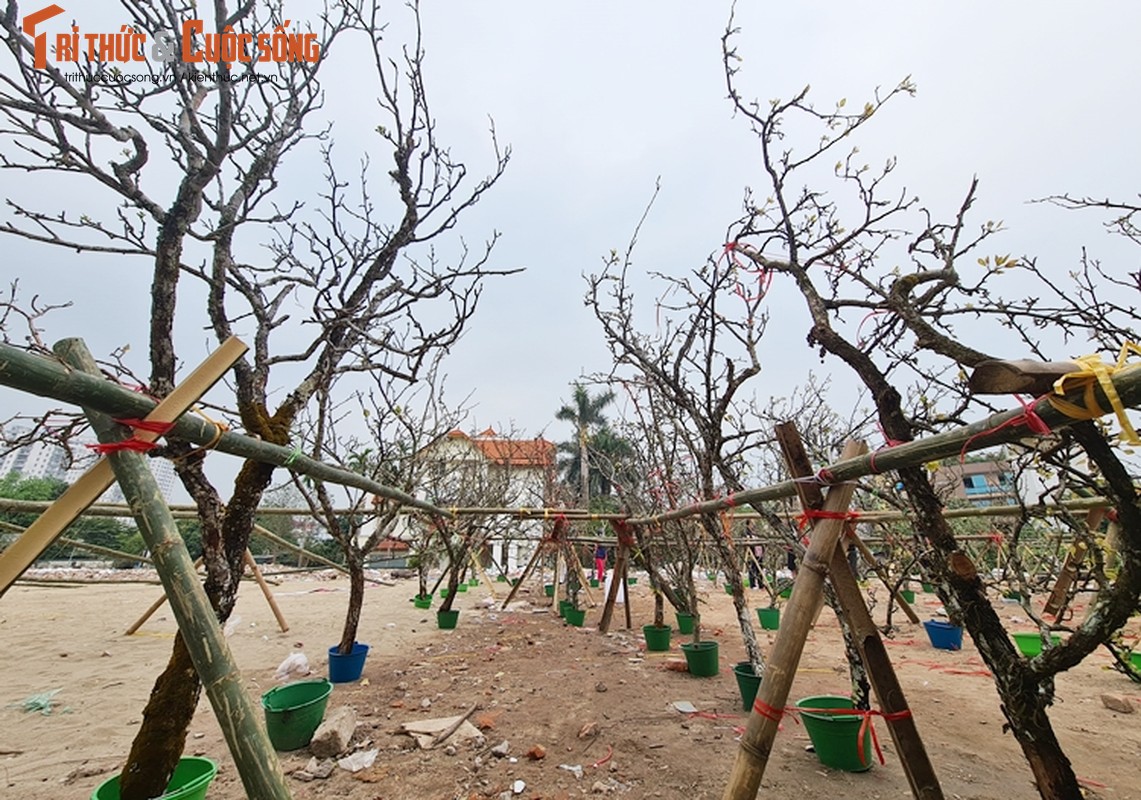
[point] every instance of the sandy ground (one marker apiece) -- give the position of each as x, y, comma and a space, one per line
537, 682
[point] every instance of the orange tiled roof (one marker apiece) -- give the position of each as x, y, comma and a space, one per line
511, 452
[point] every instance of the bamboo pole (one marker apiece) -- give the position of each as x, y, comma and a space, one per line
1076, 555
885, 683
757, 740
866, 515
483, 575
612, 595
988, 432
47, 378
20, 555
265, 590
238, 718
253, 754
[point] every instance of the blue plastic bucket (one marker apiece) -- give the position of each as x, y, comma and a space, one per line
944, 635
347, 668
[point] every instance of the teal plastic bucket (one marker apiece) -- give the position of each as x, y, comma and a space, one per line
944, 635
294, 711
836, 737
346, 668
190, 780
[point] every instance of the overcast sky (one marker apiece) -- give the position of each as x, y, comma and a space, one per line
600, 99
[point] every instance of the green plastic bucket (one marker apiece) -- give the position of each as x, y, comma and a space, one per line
769, 617
1030, 644
473, 582
190, 780
684, 622
701, 658
835, 737
748, 683
575, 616
657, 639
563, 606
928, 588
422, 602
632, 581
1135, 660
549, 589
461, 587
908, 595
446, 620
293, 712
594, 583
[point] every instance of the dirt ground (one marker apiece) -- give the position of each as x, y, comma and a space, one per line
539, 684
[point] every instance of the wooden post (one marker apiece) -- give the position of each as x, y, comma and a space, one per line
38, 536
239, 719
757, 740
885, 683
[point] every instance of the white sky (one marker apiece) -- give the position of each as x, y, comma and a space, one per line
599, 99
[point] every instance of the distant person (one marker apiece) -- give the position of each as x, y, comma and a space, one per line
754, 557
599, 562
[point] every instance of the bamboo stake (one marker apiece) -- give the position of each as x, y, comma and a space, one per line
885, 683
572, 561
1056, 603
155, 606
47, 378
483, 575
757, 740
612, 595
881, 573
20, 555
239, 720
993, 430
265, 590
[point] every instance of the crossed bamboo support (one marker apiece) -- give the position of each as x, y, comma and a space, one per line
824, 559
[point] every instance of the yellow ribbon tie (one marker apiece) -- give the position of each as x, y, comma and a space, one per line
1094, 373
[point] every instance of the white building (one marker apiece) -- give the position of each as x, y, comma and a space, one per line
490, 470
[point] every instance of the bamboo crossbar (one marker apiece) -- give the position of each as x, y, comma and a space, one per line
996, 429
49, 378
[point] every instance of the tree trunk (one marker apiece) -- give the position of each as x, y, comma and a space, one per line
355, 562
584, 468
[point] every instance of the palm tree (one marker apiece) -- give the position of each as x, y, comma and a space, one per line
585, 413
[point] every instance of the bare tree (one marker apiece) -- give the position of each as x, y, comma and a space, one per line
886, 291
364, 280
402, 421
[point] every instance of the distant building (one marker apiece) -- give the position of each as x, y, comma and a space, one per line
987, 482
491, 470
49, 460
